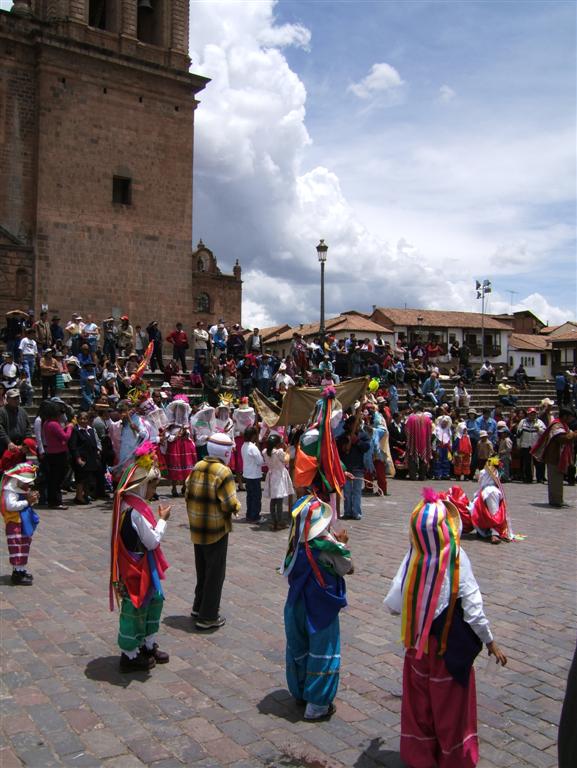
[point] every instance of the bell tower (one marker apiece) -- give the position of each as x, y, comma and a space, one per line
96, 139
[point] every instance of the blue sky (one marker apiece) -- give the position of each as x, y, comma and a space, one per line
429, 143
436, 145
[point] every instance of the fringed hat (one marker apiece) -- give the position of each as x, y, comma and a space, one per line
434, 555
143, 470
311, 517
24, 473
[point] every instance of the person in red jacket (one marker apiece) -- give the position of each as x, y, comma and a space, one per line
179, 341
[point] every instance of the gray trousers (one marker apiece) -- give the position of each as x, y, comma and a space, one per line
554, 485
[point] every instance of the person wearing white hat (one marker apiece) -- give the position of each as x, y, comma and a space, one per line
211, 502
17, 498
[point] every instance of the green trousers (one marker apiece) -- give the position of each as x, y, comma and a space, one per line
138, 623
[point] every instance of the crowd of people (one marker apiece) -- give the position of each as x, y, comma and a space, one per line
125, 438
51, 354
425, 429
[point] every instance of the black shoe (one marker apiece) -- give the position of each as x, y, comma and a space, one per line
174, 493
160, 657
21, 578
155, 497
140, 663
204, 624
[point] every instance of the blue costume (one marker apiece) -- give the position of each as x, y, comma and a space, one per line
315, 565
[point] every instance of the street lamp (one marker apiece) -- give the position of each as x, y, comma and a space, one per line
322, 249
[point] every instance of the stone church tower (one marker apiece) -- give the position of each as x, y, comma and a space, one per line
96, 152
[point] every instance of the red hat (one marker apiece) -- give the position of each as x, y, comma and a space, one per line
124, 317
531, 410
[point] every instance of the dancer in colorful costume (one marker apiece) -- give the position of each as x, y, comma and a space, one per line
179, 448
443, 629
16, 500
203, 425
137, 563
418, 429
317, 463
488, 510
378, 460
315, 563
442, 434
462, 452
243, 417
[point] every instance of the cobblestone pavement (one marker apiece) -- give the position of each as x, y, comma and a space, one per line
222, 700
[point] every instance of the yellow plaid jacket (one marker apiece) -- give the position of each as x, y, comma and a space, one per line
210, 501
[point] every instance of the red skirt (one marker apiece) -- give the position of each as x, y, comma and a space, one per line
180, 458
438, 715
236, 458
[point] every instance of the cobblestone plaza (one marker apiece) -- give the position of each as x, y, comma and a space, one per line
222, 699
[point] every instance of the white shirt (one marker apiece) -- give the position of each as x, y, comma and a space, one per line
283, 378
38, 435
252, 462
28, 346
149, 536
469, 592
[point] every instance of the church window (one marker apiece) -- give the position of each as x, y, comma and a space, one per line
203, 303
103, 14
121, 190
150, 21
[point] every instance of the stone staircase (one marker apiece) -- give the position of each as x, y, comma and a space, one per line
482, 395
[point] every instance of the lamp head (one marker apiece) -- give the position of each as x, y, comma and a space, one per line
322, 249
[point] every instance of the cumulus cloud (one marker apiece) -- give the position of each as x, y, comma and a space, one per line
382, 78
257, 197
446, 94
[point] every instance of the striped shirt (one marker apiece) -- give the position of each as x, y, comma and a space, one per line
210, 501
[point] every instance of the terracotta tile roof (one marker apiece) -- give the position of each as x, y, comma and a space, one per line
568, 335
564, 332
434, 318
351, 322
532, 341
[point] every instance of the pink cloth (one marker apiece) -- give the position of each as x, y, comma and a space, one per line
18, 545
55, 438
438, 715
180, 458
418, 430
236, 458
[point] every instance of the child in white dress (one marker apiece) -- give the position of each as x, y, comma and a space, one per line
278, 483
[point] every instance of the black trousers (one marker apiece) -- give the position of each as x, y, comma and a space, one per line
210, 562
56, 468
179, 353
48, 386
526, 465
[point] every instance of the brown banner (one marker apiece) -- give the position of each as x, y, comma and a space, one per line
299, 402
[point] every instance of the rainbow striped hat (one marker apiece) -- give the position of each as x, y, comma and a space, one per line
434, 555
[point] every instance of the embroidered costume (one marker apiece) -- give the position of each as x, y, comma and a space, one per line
137, 564
19, 517
179, 448
462, 452
443, 628
315, 564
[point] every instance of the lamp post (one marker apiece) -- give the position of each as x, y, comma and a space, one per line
322, 249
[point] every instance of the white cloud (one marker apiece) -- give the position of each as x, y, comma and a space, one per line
257, 199
446, 94
382, 78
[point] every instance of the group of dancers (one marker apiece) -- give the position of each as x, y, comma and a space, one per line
443, 625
